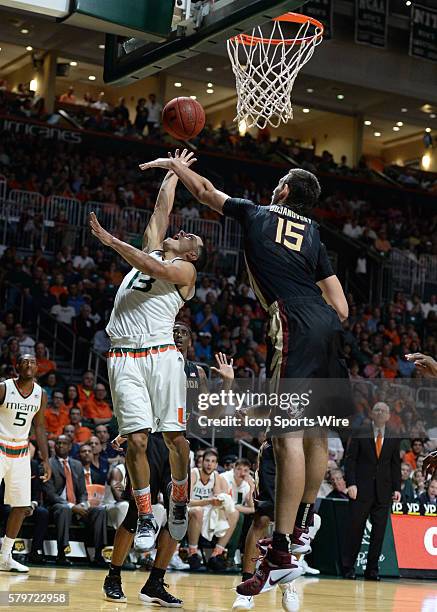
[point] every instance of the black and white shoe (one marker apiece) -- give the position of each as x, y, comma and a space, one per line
145, 537
112, 589
177, 522
154, 591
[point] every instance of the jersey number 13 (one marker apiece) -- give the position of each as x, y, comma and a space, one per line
141, 282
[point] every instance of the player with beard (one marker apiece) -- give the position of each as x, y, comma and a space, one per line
146, 371
290, 273
154, 590
22, 402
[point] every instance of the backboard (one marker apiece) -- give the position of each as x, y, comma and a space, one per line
198, 26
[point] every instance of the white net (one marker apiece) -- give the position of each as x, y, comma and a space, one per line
265, 70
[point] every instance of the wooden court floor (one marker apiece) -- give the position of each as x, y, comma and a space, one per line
213, 593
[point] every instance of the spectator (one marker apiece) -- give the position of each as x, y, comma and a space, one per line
430, 306
407, 489
430, 496
154, 110
96, 408
56, 415
63, 312
351, 229
108, 453
69, 431
71, 397
382, 244
418, 480
26, 343
99, 461
44, 364
75, 299
67, 498
58, 287
100, 103
43, 297
141, 116
339, 489
83, 261
203, 348
189, 211
86, 387
207, 321
122, 109
81, 433
69, 96
91, 473
204, 288
416, 450
84, 328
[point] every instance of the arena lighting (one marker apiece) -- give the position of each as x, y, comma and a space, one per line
367, 122
426, 161
305, 110
242, 127
91, 77
427, 130
209, 69
432, 115
24, 31
377, 134
178, 84
310, 90
408, 3
193, 97
101, 46
29, 48
209, 91
396, 128
210, 84
73, 64
33, 85
340, 97
404, 110
399, 123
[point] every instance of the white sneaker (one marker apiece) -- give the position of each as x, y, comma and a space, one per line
8, 564
176, 563
307, 569
147, 528
243, 602
290, 598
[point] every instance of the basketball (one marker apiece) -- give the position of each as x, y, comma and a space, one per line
183, 118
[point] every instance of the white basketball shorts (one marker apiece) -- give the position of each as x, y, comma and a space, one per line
15, 471
148, 387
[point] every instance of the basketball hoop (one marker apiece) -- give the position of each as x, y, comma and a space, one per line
265, 68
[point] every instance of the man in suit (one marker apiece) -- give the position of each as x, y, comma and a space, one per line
66, 497
373, 478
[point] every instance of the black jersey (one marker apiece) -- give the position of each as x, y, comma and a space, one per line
284, 255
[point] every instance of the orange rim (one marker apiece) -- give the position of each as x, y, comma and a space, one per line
246, 39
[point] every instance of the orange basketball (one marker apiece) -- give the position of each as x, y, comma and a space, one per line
183, 118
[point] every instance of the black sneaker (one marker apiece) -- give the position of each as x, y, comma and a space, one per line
217, 563
147, 528
154, 592
194, 562
112, 589
177, 522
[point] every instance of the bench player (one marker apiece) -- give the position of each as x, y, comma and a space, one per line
22, 402
146, 371
291, 275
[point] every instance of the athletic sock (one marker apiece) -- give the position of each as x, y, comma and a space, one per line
305, 514
7, 546
179, 489
143, 500
156, 573
246, 576
218, 550
192, 549
114, 570
281, 541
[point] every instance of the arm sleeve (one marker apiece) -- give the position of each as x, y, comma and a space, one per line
324, 267
239, 209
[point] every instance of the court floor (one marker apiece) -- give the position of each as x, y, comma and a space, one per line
208, 593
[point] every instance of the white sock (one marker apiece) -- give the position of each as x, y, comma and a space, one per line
7, 546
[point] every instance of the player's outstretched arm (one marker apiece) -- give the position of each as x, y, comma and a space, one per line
425, 363
200, 187
159, 221
41, 437
179, 272
333, 294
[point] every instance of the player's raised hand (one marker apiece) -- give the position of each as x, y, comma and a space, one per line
47, 471
426, 364
429, 467
161, 162
225, 370
98, 231
186, 157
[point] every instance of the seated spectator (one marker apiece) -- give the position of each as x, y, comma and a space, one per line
51, 382
116, 506
418, 480
26, 343
202, 347
75, 299
44, 364
382, 244
96, 408
92, 474
407, 489
81, 433
63, 312
413, 454
56, 415
10, 352
66, 497
86, 387
43, 297
351, 229
189, 211
68, 96
71, 397
206, 321
206, 484
99, 461
204, 288
82, 261
107, 452
430, 495
58, 287
339, 489
69, 431
430, 306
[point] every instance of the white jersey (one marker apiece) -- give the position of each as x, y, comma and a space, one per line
200, 490
144, 310
239, 493
17, 411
